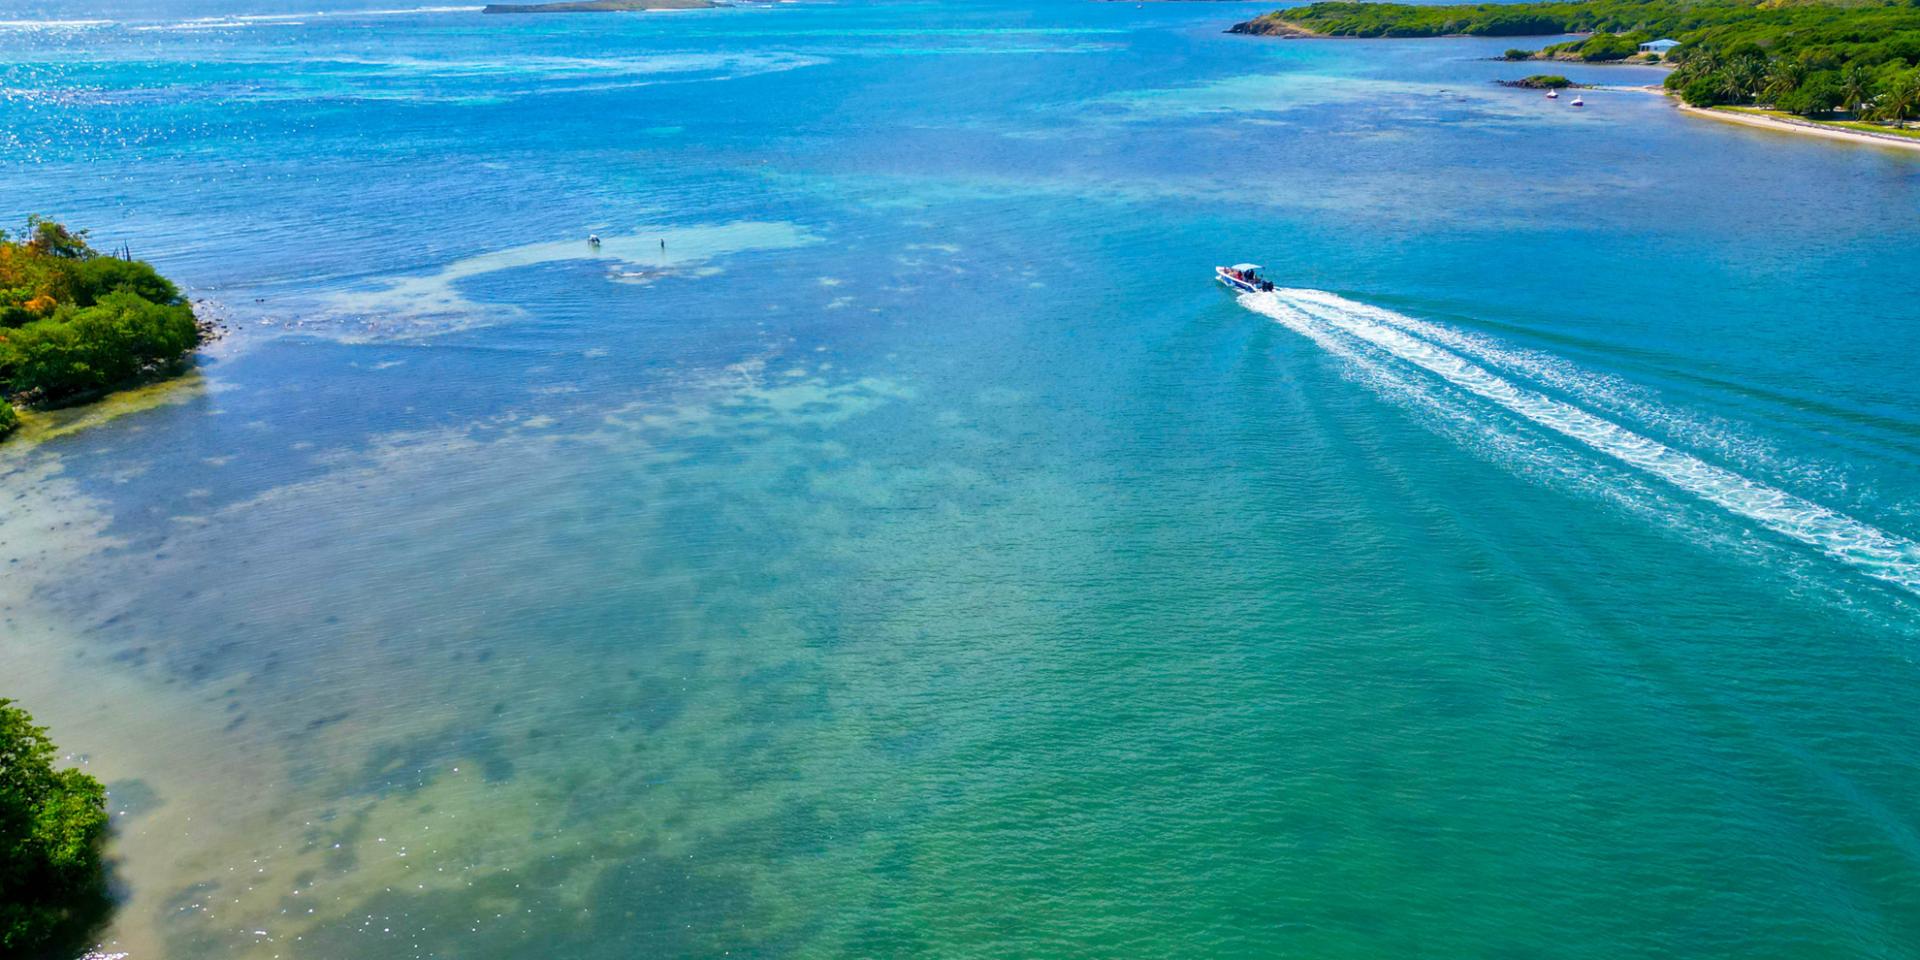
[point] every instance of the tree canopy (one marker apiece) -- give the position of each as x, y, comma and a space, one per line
75, 322
1804, 57
52, 822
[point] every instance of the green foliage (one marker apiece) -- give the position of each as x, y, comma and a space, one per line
1856, 87
1652, 18
74, 322
1350, 19
1702, 92
52, 823
51, 239
1599, 48
97, 276
1819, 95
27, 278
56, 267
1783, 78
1515, 53
1900, 99
1809, 57
88, 349
1611, 46
9, 418
1808, 80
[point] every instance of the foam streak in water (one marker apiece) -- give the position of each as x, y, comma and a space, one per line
1876, 552
1610, 394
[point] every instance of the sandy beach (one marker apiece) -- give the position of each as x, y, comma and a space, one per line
1804, 127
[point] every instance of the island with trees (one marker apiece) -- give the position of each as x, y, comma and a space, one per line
76, 323
53, 821
1812, 59
1543, 81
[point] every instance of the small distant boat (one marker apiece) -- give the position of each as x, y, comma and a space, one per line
1243, 277
1553, 94
1579, 102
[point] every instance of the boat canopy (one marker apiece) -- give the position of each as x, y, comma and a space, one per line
1244, 267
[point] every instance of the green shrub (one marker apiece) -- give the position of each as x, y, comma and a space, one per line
85, 350
26, 275
9, 418
95, 277
51, 239
52, 822
1515, 53
74, 322
13, 306
1703, 91
1517, 25
1603, 47
1818, 95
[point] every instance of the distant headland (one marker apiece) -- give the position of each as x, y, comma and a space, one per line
1847, 67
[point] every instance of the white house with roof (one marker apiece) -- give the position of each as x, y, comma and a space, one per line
1660, 46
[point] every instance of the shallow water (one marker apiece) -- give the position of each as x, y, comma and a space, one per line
919, 554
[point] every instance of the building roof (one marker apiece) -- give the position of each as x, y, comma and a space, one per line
1663, 44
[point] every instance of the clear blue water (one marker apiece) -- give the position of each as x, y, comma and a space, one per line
919, 554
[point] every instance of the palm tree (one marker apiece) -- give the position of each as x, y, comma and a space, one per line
1702, 64
1856, 88
1901, 101
1783, 77
1745, 74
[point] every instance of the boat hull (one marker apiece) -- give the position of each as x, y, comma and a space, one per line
1232, 282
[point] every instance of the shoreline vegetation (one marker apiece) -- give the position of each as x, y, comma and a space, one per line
77, 324
53, 884
1844, 68
1545, 81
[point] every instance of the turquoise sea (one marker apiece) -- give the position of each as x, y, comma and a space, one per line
918, 554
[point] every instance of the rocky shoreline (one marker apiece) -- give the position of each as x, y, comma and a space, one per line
211, 327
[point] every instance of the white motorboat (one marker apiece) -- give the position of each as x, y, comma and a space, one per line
1243, 277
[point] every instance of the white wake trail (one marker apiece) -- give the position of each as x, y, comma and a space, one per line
1609, 393
1876, 552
